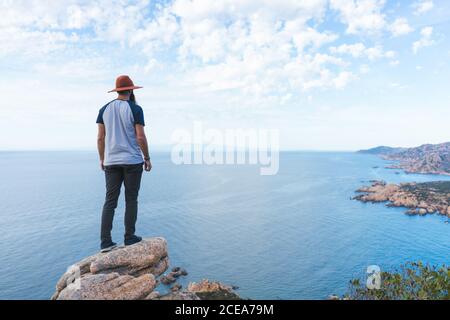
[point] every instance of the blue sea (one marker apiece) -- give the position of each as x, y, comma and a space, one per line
295, 235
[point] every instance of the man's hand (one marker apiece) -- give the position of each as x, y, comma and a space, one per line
147, 165
102, 166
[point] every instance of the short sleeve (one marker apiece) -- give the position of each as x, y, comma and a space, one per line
138, 115
100, 114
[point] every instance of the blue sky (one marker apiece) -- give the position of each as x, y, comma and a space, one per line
329, 74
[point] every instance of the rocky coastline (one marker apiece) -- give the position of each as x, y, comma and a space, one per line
134, 273
425, 159
412, 166
418, 198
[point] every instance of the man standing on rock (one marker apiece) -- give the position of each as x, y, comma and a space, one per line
123, 150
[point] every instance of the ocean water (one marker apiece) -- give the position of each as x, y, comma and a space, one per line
296, 235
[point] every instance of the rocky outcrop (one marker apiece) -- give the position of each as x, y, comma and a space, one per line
123, 273
419, 198
132, 273
173, 275
203, 290
208, 290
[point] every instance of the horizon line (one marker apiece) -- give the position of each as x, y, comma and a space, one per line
164, 149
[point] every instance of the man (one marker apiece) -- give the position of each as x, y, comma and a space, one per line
123, 150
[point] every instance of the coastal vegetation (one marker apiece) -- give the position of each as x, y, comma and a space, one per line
412, 281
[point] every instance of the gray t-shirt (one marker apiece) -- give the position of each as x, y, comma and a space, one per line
119, 118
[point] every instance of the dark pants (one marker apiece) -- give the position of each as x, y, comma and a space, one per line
130, 175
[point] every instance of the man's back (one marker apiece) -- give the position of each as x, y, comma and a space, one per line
120, 118
123, 151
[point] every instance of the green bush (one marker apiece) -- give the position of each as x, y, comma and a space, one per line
412, 281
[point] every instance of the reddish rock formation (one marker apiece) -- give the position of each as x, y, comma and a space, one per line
125, 273
419, 198
131, 273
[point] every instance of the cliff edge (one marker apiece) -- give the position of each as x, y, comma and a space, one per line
133, 273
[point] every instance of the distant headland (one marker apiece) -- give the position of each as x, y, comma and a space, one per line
426, 159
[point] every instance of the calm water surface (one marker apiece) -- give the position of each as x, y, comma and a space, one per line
290, 236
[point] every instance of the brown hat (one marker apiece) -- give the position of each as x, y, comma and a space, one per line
124, 83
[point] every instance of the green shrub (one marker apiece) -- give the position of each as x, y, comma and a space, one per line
412, 281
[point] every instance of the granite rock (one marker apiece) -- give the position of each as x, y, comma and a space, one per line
124, 273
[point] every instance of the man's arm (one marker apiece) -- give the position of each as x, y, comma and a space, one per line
142, 141
101, 144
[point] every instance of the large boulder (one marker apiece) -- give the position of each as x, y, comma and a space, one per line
203, 290
212, 290
125, 273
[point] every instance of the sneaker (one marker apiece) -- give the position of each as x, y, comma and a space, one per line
106, 247
132, 240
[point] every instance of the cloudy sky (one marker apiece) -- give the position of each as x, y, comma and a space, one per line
329, 74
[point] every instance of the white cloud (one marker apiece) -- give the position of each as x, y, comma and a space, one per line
394, 63
427, 32
92, 68
364, 69
361, 16
343, 79
395, 85
261, 48
425, 40
41, 28
400, 27
423, 6
36, 42
359, 50
250, 45
227, 59
356, 50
